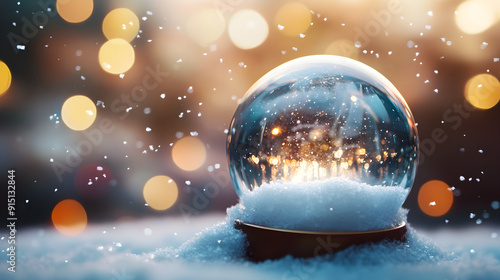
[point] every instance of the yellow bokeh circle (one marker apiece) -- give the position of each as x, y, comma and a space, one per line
69, 217
120, 23
189, 153
295, 18
75, 11
116, 56
206, 26
78, 112
160, 192
343, 47
483, 91
248, 29
474, 16
5, 77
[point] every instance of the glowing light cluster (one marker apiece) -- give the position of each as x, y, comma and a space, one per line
483, 91
160, 192
78, 112
247, 29
341, 163
276, 131
69, 217
75, 11
435, 198
5, 77
189, 153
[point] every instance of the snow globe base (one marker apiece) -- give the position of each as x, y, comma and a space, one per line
267, 243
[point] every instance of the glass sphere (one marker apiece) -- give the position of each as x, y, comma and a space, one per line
321, 117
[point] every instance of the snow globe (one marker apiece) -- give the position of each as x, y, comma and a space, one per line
322, 150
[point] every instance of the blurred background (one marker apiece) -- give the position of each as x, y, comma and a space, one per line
118, 110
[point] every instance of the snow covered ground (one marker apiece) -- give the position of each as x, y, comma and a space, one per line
207, 248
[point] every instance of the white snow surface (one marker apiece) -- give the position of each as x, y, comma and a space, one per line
171, 248
338, 204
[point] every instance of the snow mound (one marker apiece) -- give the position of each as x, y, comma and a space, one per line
337, 204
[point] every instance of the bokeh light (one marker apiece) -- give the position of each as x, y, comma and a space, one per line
69, 217
5, 77
483, 91
120, 23
116, 56
474, 16
206, 26
189, 153
435, 198
75, 11
160, 192
275, 131
78, 112
343, 47
247, 29
293, 19
93, 180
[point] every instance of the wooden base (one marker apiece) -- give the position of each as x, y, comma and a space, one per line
271, 243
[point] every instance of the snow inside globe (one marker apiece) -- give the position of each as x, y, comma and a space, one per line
322, 143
